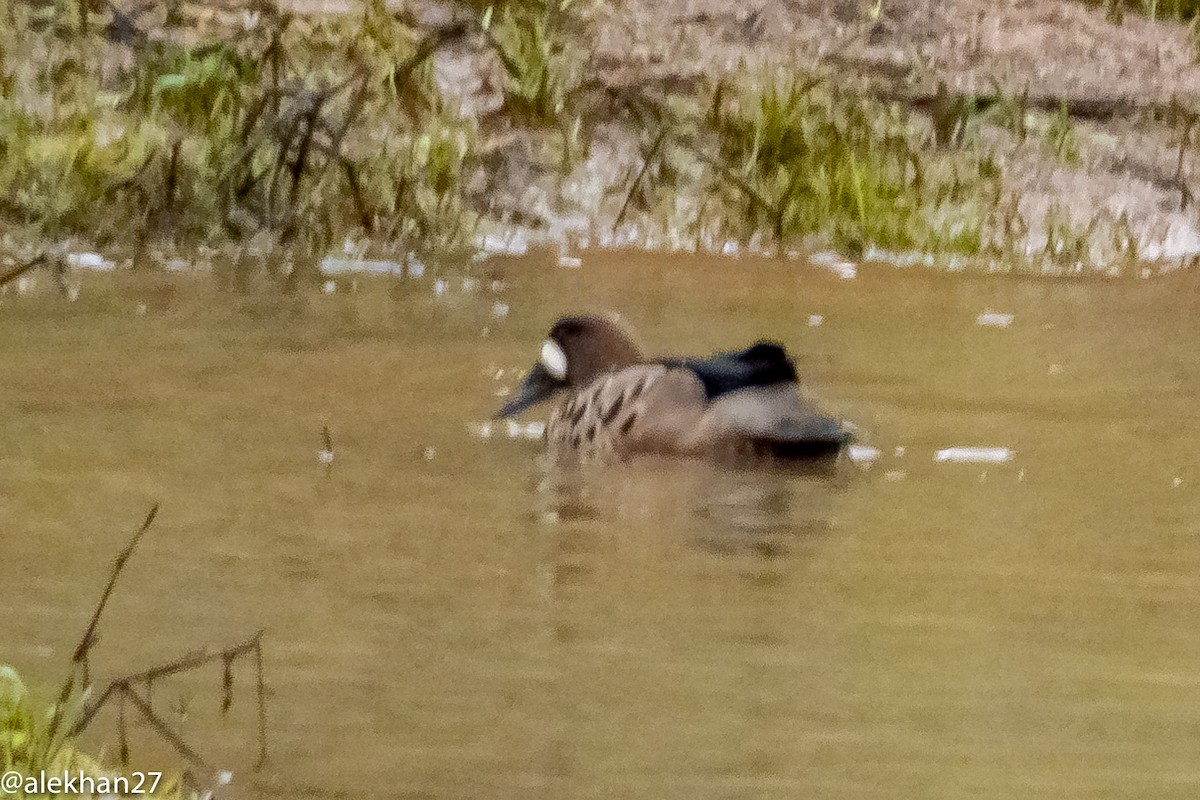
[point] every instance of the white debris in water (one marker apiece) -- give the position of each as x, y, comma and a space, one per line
974, 455
846, 270
24, 284
530, 430
895, 475
90, 261
469, 285
570, 262
337, 266
1054, 369
482, 429
514, 244
994, 319
499, 309
140, 309
439, 287
898, 452
224, 777
325, 457
330, 287
1175, 484
428, 453
863, 454
72, 293
496, 286
815, 320
416, 268
909, 258
730, 248
177, 265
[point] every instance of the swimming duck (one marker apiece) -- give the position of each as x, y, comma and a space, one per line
617, 404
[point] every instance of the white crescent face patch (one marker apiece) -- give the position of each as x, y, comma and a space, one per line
554, 359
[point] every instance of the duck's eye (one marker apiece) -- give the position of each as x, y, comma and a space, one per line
554, 359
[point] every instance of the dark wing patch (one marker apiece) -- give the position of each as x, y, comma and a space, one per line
763, 364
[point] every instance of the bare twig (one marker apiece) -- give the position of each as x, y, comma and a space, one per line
164, 730
21, 269
633, 187
146, 678
89, 635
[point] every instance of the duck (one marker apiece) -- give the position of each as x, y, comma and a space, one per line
615, 404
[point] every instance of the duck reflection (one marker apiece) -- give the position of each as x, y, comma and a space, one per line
765, 512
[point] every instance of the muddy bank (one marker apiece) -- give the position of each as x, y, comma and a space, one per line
1044, 138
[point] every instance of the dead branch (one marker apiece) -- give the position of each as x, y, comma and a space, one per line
21, 269
89, 635
147, 677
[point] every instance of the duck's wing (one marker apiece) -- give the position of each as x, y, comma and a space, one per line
775, 420
763, 364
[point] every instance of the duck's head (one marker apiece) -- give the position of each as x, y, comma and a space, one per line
575, 352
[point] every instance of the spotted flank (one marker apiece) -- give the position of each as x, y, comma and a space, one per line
598, 423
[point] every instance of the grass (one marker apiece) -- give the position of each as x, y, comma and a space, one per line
305, 133
1172, 10
303, 129
33, 739
798, 158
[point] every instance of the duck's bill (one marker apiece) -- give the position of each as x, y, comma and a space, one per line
538, 385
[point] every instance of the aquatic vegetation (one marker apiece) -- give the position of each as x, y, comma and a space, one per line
800, 157
36, 740
1061, 138
543, 66
274, 130
1178, 10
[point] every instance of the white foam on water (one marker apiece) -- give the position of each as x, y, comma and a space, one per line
863, 454
90, 261
331, 265
974, 455
994, 319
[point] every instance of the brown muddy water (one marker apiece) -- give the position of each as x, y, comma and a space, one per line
446, 620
